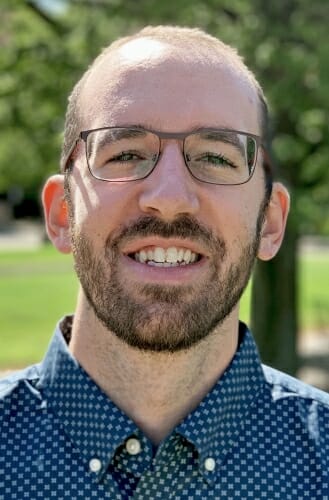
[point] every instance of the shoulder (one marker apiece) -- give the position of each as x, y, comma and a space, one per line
301, 408
11, 381
18, 392
286, 386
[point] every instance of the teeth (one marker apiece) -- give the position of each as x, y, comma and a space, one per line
187, 256
142, 256
160, 264
172, 255
159, 255
166, 257
193, 257
180, 255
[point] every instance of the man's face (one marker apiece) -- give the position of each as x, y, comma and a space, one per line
210, 233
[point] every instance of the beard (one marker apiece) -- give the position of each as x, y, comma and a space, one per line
156, 317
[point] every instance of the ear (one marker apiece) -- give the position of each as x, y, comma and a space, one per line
56, 213
274, 223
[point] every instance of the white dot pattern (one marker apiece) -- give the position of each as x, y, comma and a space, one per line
258, 434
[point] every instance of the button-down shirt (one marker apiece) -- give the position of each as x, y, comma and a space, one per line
258, 434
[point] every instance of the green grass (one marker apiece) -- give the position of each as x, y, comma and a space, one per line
314, 291
38, 287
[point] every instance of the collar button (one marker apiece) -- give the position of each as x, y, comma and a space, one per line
133, 446
95, 465
209, 464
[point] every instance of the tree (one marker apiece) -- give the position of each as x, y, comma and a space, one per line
289, 55
284, 42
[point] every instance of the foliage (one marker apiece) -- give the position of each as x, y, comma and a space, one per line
44, 52
286, 44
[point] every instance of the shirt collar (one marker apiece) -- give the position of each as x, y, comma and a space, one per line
96, 426
214, 426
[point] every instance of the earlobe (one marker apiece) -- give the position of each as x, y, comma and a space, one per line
274, 223
56, 213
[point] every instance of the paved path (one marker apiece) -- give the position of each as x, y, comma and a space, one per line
21, 235
314, 357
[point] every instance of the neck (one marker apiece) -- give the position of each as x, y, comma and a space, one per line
156, 390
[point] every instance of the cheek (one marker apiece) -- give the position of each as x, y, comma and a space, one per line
100, 207
246, 201
232, 212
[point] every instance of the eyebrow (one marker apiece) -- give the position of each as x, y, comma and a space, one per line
221, 134
226, 136
101, 139
137, 130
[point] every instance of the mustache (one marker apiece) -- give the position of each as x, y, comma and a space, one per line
184, 226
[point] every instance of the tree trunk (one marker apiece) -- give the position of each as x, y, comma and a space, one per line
274, 306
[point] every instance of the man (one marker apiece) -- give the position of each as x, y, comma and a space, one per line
153, 389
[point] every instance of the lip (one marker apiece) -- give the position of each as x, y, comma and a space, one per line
140, 243
176, 275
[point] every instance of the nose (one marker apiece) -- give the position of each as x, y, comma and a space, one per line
170, 190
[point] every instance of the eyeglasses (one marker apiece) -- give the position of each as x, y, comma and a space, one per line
215, 156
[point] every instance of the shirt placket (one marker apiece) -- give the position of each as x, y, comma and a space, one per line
173, 468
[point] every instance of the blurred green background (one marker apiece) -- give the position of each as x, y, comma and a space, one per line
45, 47
38, 286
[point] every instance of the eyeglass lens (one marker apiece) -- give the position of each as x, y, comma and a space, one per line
214, 156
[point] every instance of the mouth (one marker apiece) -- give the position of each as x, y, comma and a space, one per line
157, 256
164, 256
157, 260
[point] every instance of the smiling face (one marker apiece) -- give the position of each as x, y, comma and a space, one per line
163, 260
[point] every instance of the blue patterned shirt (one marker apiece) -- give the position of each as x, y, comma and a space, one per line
258, 434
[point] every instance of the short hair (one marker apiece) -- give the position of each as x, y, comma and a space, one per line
175, 36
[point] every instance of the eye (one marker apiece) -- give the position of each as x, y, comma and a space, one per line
215, 159
125, 156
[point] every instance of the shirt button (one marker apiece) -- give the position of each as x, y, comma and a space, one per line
209, 464
133, 446
95, 465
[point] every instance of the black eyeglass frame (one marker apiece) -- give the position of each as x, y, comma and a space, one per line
181, 136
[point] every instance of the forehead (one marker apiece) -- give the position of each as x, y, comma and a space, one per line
157, 85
